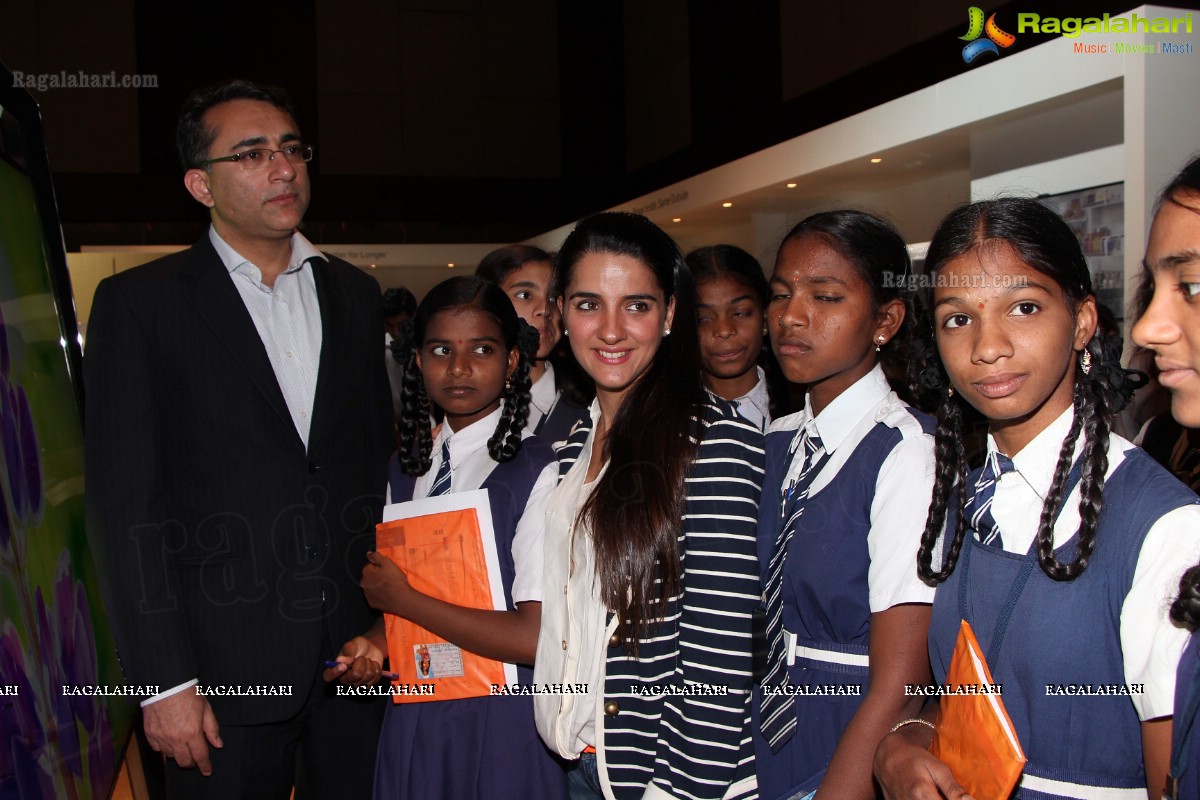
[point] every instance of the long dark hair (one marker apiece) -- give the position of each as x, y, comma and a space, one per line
730, 261
1186, 609
569, 377
1042, 240
636, 509
879, 254
416, 439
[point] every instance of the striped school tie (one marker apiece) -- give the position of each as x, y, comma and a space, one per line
778, 721
978, 509
441, 483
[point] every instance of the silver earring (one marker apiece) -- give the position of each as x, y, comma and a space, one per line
1085, 362
878, 342
950, 393
666, 331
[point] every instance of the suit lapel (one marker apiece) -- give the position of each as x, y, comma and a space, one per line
216, 300
333, 369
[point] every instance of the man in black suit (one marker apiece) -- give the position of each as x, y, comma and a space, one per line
238, 428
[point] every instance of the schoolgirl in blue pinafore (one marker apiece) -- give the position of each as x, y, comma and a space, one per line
874, 442
841, 515
1074, 741
483, 747
467, 353
1063, 552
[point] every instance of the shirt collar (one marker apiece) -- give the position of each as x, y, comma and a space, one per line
1037, 460
543, 392
840, 417
302, 251
758, 396
470, 439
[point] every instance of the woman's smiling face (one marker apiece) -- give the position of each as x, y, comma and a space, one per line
615, 316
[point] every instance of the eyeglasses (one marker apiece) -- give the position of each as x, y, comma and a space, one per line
251, 160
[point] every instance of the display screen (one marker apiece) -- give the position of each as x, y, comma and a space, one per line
61, 736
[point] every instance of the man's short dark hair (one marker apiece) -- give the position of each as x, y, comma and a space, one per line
399, 301
193, 137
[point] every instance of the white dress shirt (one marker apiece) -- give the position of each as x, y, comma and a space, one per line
288, 318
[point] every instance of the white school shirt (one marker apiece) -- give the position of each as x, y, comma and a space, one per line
470, 466
1150, 644
902, 489
573, 640
288, 319
542, 396
755, 405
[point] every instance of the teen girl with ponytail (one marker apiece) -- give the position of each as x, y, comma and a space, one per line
469, 355
1170, 327
1064, 549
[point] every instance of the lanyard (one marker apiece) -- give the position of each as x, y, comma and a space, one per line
1018, 586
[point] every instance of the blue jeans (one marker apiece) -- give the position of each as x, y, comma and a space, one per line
583, 782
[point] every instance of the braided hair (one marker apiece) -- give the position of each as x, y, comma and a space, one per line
1043, 241
416, 438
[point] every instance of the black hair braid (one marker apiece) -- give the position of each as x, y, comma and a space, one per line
1044, 540
416, 438
1185, 610
948, 487
506, 441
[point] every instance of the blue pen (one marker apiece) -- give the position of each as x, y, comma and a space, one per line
387, 676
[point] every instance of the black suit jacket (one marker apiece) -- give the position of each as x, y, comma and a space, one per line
225, 548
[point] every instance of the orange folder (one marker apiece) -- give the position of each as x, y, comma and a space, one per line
974, 735
446, 547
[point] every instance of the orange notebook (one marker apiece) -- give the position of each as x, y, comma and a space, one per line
974, 735
447, 548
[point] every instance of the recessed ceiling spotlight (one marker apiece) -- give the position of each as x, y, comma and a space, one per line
726, 205
372, 266
677, 219
450, 265
876, 160
791, 186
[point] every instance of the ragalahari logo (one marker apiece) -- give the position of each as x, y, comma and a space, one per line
976, 28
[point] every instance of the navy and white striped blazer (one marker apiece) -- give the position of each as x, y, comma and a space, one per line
693, 745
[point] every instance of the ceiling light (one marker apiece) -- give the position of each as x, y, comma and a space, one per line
791, 186
372, 266
450, 265
726, 205
677, 219
876, 160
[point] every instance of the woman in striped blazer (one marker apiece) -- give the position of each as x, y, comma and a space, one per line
651, 574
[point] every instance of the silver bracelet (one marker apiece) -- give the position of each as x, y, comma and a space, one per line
913, 721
